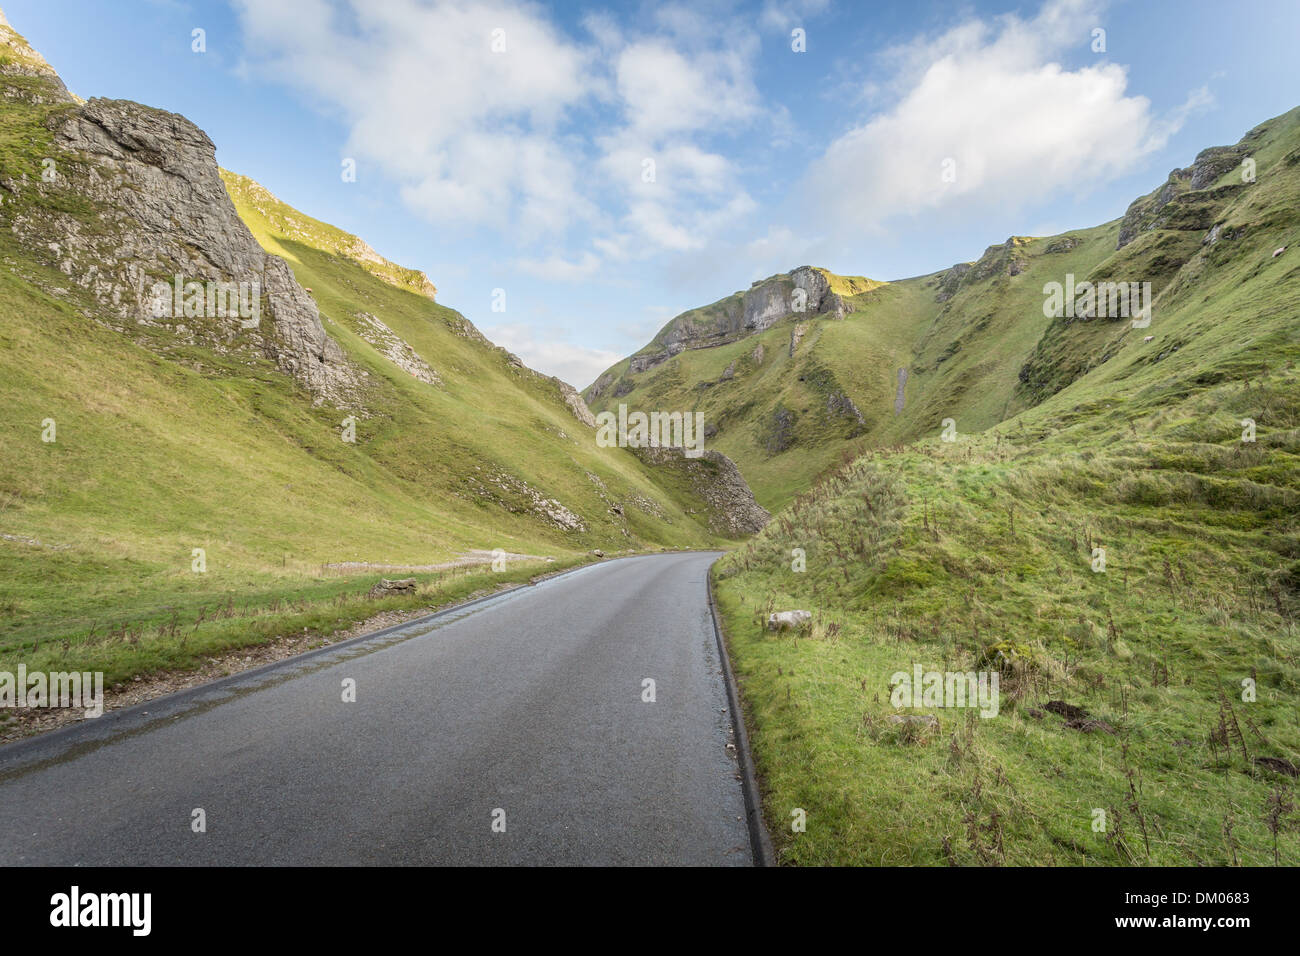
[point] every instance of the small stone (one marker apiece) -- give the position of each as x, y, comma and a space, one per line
386, 587
781, 620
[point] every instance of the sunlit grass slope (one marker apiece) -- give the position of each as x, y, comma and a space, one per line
981, 554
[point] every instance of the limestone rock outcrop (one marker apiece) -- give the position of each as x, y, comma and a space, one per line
718, 482
805, 291
158, 214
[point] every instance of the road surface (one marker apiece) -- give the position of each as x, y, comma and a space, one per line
525, 710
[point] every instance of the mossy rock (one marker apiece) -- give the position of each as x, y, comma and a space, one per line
1008, 655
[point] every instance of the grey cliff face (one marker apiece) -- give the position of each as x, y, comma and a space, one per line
574, 401
1005, 258
718, 482
162, 211
1169, 207
804, 291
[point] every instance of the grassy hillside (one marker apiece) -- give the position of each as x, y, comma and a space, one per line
489, 416
163, 443
784, 417
972, 342
981, 555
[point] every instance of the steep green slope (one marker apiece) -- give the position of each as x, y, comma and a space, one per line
982, 555
971, 343
487, 416
823, 385
133, 438
782, 413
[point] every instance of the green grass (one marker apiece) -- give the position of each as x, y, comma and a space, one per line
153, 459
945, 554
963, 358
166, 622
987, 545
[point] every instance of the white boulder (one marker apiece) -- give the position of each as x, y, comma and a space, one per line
788, 619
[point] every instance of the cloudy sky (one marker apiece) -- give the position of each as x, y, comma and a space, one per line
610, 165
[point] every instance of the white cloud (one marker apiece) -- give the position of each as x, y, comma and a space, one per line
471, 135
661, 188
506, 140
787, 14
664, 90
560, 269
1017, 125
674, 93
576, 364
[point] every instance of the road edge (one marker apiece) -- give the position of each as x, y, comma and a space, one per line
17, 747
760, 840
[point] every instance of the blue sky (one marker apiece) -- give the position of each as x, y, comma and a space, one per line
528, 169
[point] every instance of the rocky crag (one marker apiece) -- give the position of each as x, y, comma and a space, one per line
715, 479
157, 212
803, 292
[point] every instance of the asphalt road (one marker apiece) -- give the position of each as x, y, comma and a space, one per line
528, 703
